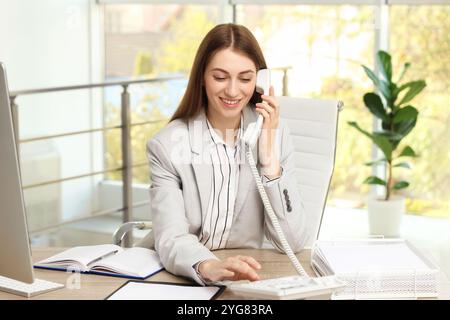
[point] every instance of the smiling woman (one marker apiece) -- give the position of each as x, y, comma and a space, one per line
209, 200
228, 89
217, 45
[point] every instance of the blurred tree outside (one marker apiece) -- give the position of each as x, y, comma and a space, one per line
421, 35
143, 64
178, 47
427, 47
323, 36
139, 138
175, 55
346, 185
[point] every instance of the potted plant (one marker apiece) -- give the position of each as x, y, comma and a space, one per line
390, 104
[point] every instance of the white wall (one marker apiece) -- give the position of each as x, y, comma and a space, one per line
50, 43
45, 43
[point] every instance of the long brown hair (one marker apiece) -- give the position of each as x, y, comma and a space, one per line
222, 36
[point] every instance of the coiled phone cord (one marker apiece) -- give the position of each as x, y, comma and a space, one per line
265, 199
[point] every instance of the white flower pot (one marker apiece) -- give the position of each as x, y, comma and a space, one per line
385, 216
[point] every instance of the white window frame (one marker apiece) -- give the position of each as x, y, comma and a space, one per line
227, 13
334, 2
160, 1
232, 2
419, 2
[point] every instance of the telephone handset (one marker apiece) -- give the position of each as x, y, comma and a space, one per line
253, 131
250, 137
302, 284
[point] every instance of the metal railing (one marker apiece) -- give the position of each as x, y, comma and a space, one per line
285, 85
127, 161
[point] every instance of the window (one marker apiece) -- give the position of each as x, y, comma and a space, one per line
324, 46
154, 39
321, 49
149, 41
421, 35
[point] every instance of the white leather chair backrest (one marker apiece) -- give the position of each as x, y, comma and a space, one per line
313, 126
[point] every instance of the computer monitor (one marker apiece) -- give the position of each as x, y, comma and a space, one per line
16, 266
15, 254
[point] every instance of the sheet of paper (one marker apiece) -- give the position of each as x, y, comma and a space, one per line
372, 257
155, 291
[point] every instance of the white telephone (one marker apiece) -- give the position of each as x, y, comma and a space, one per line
250, 138
262, 87
294, 287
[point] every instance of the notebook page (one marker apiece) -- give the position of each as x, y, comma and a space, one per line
83, 254
155, 291
380, 257
140, 262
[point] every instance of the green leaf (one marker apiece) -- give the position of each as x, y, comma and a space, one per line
401, 185
392, 136
394, 94
386, 125
415, 87
385, 90
403, 165
356, 126
385, 65
376, 162
405, 68
404, 128
375, 180
375, 105
406, 113
408, 152
372, 76
385, 146
380, 84
381, 141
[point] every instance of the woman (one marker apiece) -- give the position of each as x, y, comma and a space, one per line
203, 195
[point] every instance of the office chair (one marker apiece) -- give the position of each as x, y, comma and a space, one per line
313, 125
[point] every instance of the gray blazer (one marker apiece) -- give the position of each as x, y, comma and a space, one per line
180, 191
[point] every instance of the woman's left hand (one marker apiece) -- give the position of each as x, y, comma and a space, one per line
269, 109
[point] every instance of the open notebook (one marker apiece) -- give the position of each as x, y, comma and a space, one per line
106, 259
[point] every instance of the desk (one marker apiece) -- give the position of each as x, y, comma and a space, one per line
94, 287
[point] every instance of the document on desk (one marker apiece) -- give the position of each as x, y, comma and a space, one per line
376, 268
136, 290
351, 258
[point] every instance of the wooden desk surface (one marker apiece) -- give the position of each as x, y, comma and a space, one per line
94, 287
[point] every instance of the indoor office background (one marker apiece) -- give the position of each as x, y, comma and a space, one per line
70, 140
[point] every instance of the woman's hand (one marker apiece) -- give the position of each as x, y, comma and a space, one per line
270, 110
232, 268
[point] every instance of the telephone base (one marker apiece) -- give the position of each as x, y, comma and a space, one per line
289, 288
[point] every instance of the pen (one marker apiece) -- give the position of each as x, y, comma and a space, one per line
103, 257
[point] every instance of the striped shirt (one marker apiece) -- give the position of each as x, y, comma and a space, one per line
225, 160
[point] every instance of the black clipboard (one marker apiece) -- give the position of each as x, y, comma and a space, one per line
214, 297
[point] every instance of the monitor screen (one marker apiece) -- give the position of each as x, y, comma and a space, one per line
15, 255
